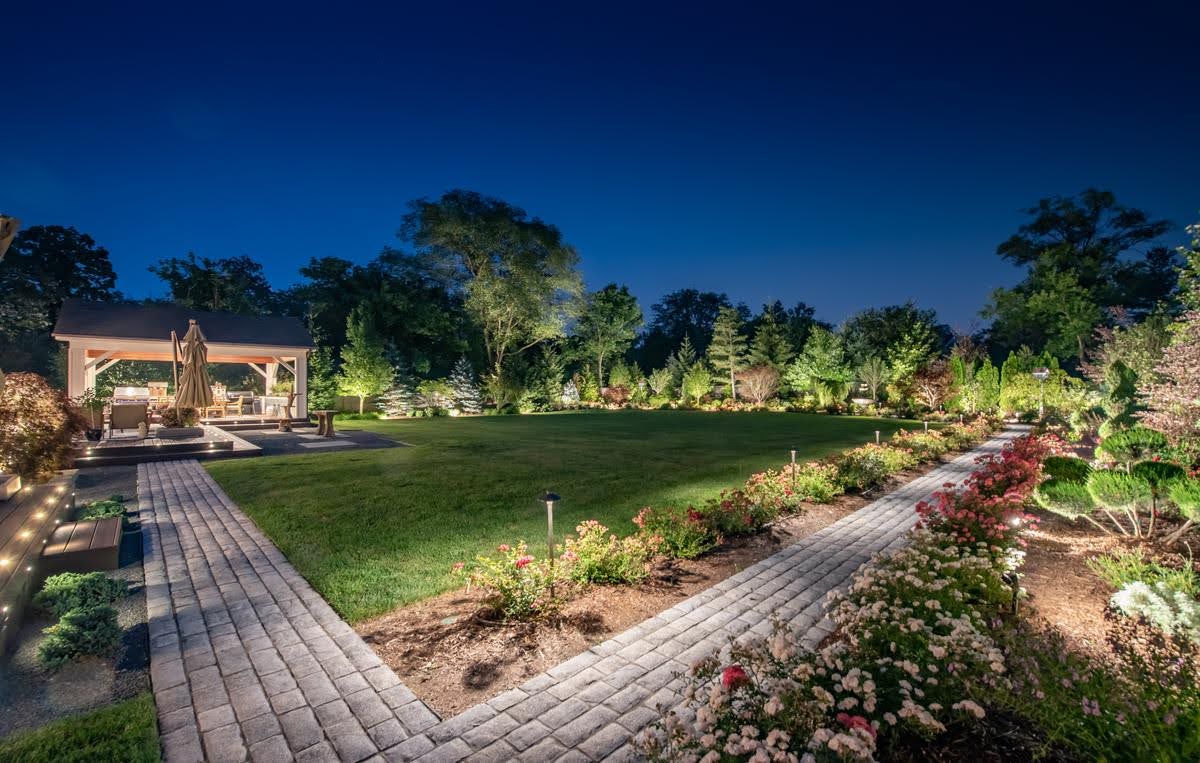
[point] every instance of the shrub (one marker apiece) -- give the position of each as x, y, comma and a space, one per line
684, 533
926, 446
179, 417
1114, 490
1130, 445
70, 590
108, 507
869, 465
519, 587
734, 513
1066, 498
1129, 566
815, 481
1066, 468
1185, 494
759, 383
1170, 611
616, 396
83, 631
915, 650
37, 427
596, 557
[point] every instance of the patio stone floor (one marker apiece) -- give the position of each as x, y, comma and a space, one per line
249, 662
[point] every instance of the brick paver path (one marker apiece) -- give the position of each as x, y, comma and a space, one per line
253, 632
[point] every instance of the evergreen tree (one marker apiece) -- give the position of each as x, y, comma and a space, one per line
771, 346
397, 401
464, 390
322, 379
545, 380
727, 350
365, 368
683, 359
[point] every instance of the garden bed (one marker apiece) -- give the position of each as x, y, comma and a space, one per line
453, 655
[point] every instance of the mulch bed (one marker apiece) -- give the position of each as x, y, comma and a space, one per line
453, 655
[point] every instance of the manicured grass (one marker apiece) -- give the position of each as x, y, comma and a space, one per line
126, 731
374, 529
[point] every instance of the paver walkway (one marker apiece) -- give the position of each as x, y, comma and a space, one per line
248, 659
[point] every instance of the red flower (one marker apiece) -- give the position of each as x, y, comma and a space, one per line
524, 562
504, 548
734, 676
856, 722
458, 566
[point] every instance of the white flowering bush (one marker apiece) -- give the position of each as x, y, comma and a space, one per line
1168, 609
914, 654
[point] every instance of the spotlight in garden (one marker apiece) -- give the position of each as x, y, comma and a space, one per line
1014, 583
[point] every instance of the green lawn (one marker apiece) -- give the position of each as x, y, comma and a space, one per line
374, 529
126, 731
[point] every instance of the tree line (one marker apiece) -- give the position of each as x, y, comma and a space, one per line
475, 282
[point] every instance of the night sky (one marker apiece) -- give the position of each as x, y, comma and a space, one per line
848, 157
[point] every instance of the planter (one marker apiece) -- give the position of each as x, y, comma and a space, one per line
179, 433
10, 485
93, 435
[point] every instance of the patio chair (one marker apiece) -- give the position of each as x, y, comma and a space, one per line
127, 416
235, 408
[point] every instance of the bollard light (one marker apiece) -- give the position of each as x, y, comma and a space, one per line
550, 499
1014, 582
926, 425
793, 472
876, 436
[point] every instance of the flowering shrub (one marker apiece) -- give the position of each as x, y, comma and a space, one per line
778, 491
926, 446
815, 482
915, 655
989, 507
598, 557
735, 513
964, 435
869, 465
682, 533
519, 587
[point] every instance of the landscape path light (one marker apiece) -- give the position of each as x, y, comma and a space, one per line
876, 436
550, 499
793, 471
1041, 374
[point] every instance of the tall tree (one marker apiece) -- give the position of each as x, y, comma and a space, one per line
365, 367
520, 278
231, 284
875, 331
727, 348
822, 363
1082, 256
608, 325
874, 373
686, 313
46, 264
771, 345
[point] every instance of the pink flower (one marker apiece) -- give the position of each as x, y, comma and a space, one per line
733, 677
856, 722
504, 548
524, 561
458, 566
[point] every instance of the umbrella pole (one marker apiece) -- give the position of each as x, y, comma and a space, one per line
175, 365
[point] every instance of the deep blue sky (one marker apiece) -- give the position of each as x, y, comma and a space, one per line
848, 157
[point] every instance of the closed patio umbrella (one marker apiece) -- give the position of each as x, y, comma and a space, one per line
194, 389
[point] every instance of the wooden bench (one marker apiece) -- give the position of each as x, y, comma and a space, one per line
93, 544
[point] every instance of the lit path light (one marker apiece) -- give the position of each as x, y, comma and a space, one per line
550, 499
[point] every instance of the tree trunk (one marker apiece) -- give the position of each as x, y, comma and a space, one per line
732, 383
361, 400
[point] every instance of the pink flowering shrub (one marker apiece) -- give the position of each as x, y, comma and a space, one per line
681, 533
990, 505
915, 654
814, 482
599, 557
518, 586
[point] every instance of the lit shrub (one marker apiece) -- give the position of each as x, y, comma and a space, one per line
1165, 608
869, 465
926, 446
80, 632
1125, 566
518, 586
734, 513
1115, 489
682, 533
1066, 468
38, 426
102, 509
599, 557
1130, 445
815, 482
70, 590
1066, 498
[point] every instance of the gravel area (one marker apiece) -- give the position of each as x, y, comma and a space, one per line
33, 696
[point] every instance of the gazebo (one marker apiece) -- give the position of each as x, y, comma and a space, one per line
100, 334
